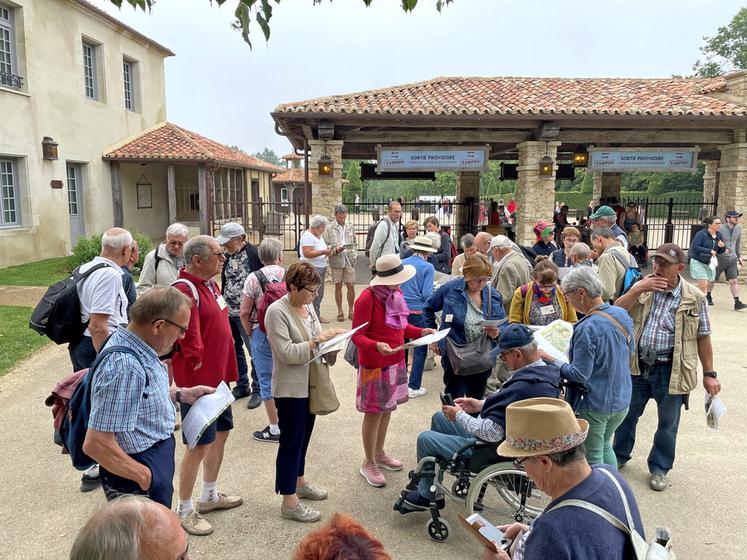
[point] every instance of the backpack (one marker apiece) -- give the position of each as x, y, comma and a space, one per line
370, 237
271, 292
158, 260
632, 273
57, 315
77, 411
192, 288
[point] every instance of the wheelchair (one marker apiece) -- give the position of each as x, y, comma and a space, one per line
483, 482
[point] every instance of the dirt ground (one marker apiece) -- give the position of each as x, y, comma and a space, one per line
42, 508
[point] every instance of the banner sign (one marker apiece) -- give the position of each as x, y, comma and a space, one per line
456, 158
643, 160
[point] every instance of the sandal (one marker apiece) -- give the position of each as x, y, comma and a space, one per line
340, 317
323, 320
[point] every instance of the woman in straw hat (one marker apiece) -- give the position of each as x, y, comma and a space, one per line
547, 440
382, 372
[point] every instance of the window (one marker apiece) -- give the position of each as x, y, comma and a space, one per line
73, 184
8, 69
90, 70
129, 96
283, 194
9, 214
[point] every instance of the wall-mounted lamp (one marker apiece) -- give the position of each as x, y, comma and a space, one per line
546, 163
581, 156
49, 149
325, 165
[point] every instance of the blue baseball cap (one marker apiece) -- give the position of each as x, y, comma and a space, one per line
514, 336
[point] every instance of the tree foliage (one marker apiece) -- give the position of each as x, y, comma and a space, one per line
270, 156
260, 11
726, 51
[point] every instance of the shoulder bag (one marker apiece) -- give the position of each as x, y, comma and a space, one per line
322, 396
474, 357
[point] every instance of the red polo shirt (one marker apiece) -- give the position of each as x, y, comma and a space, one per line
208, 341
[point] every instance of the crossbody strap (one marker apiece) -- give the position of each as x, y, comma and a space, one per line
615, 322
297, 319
123, 350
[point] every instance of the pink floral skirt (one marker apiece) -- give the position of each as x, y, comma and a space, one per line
381, 389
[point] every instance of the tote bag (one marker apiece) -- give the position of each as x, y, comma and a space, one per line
474, 357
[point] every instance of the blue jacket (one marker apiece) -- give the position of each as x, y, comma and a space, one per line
418, 288
702, 245
451, 300
558, 257
600, 361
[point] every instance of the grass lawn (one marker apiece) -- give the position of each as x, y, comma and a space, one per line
40, 273
17, 340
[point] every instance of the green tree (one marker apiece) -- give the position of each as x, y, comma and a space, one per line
587, 183
354, 185
269, 156
726, 51
261, 11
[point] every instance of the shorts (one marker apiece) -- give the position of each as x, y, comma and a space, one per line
701, 271
345, 275
729, 268
262, 358
223, 423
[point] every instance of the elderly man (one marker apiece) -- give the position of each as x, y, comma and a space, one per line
386, 235
547, 441
468, 247
482, 242
455, 426
731, 259
128, 283
671, 324
606, 217
205, 357
131, 425
511, 269
131, 527
341, 234
613, 262
161, 266
241, 260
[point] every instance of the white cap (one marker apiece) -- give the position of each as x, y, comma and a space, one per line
501, 242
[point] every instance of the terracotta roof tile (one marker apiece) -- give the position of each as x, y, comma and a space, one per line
294, 175
292, 156
169, 142
531, 96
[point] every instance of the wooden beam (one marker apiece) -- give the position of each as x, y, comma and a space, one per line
307, 132
477, 137
117, 205
643, 137
202, 189
171, 186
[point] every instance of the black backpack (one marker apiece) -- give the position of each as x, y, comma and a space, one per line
75, 422
372, 233
57, 315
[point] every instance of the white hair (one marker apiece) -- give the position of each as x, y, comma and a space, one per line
501, 242
116, 239
582, 277
318, 221
435, 239
177, 230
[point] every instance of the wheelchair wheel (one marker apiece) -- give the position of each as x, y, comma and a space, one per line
460, 487
438, 530
501, 492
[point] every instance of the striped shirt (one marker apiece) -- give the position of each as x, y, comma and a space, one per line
139, 416
658, 332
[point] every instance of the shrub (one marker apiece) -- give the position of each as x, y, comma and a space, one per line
89, 247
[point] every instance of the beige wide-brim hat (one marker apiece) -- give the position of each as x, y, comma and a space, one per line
422, 243
541, 426
390, 271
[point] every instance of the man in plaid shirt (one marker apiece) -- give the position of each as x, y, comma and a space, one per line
671, 328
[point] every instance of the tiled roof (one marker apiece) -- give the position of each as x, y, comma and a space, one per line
531, 96
292, 156
294, 175
114, 22
168, 142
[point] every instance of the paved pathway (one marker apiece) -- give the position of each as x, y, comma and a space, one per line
42, 508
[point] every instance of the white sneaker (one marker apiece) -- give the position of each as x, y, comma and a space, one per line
415, 393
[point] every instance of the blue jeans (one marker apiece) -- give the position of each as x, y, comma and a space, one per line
82, 353
669, 407
239, 340
262, 358
419, 354
443, 440
464, 385
322, 270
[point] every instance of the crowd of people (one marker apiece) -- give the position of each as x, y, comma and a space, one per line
570, 424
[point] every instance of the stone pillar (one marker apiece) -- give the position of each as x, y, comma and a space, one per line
326, 192
611, 185
467, 187
117, 205
732, 184
202, 193
596, 193
171, 187
710, 180
535, 195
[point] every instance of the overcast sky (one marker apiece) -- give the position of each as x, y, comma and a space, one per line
218, 87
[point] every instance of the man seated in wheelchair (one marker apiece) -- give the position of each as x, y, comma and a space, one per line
456, 427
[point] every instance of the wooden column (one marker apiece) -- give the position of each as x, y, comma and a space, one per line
117, 204
171, 186
202, 189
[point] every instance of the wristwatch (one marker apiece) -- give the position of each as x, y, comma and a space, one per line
710, 374
178, 396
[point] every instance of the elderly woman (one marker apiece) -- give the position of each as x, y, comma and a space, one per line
562, 257
443, 256
599, 363
541, 301
411, 232
706, 244
382, 372
468, 247
313, 249
547, 441
271, 254
581, 255
295, 334
464, 303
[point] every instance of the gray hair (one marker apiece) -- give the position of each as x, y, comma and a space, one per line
270, 250
197, 246
435, 239
177, 230
318, 221
580, 252
563, 458
114, 531
501, 242
528, 349
582, 277
607, 233
341, 209
116, 239
158, 303
609, 220
468, 241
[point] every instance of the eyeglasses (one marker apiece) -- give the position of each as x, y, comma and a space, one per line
314, 291
502, 355
182, 330
519, 463
546, 286
219, 254
481, 279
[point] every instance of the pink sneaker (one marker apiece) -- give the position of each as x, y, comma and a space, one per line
388, 463
372, 474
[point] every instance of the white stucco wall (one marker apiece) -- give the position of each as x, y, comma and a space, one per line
52, 102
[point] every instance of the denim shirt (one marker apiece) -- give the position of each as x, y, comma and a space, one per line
451, 300
417, 289
600, 361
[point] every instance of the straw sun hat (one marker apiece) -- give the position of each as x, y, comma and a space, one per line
422, 243
541, 426
390, 271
